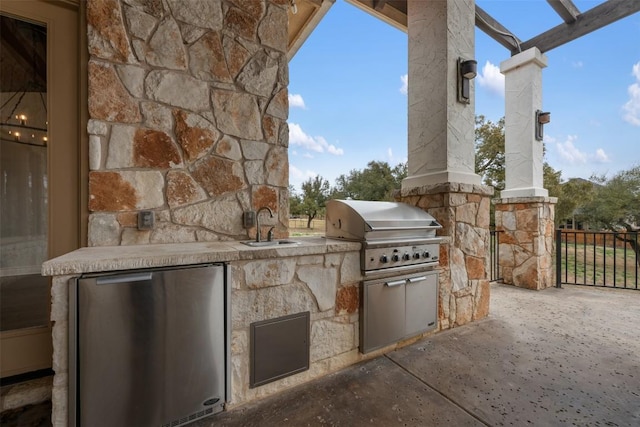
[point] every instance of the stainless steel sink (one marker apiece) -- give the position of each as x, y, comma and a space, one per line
271, 243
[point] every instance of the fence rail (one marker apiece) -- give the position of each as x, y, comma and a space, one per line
602, 259
495, 272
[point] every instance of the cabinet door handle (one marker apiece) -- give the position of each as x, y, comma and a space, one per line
123, 278
417, 279
396, 283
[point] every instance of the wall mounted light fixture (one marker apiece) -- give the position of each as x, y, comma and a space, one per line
542, 118
467, 70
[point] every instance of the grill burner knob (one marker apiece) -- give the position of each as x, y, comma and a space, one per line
384, 259
406, 256
395, 257
416, 255
426, 254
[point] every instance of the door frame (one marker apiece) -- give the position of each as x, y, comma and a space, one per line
27, 350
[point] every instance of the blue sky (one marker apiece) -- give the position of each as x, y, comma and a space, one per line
348, 102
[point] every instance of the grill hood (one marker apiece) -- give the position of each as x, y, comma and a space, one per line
372, 221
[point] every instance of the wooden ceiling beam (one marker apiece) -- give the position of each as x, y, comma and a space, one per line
495, 30
592, 20
566, 9
379, 4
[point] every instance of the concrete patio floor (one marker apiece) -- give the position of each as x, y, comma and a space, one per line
556, 357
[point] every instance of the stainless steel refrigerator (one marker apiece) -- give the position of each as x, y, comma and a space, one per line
149, 347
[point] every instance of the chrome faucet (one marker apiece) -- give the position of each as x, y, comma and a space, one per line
258, 220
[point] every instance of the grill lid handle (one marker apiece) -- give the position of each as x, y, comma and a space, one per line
407, 225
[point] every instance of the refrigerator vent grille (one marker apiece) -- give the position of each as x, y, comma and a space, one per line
190, 418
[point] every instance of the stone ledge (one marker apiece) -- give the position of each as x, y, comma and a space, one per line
537, 199
114, 258
26, 393
448, 187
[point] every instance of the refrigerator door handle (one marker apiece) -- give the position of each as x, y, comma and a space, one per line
125, 278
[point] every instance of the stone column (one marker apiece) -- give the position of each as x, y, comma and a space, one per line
441, 130
526, 244
442, 180
523, 96
524, 213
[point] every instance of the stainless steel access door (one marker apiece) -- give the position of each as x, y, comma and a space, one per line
150, 347
397, 307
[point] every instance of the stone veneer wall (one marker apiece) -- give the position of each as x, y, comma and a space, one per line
526, 244
326, 285
188, 106
463, 211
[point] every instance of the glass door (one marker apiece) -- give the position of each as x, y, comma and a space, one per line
28, 185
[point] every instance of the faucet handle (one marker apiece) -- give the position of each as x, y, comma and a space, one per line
270, 234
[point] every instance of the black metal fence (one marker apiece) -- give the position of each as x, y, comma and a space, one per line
495, 272
603, 259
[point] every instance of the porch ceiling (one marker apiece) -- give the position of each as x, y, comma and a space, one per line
576, 23
302, 23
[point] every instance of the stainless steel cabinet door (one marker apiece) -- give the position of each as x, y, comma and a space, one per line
151, 346
421, 303
383, 321
397, 308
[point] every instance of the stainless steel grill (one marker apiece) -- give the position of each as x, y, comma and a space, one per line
393, 235
399, 296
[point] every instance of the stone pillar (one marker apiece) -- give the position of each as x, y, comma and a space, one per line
441, 155
523, 96
463, 211
524, 213
441, 130
526, 244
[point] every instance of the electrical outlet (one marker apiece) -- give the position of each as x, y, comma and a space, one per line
249, 219
146, 220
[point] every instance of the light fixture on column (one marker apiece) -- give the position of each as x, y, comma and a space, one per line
467, 70
542, 118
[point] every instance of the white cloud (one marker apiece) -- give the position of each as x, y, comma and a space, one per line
491, 79
573, 155
601, 156
632, 108
318, 144
298, 175
308, 155
404, 89
390, 154
569, 152
332, 149
577, 64
295, 100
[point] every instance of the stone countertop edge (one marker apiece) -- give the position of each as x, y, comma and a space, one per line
116, 258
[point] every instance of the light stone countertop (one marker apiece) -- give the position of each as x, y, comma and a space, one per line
116, 258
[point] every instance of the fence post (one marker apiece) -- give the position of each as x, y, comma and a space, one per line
558, 258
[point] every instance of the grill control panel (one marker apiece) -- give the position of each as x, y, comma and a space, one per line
398, 256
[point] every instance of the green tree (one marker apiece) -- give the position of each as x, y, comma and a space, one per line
574, 193
615, 205
377, 181
489, 144
315, 192
295, 202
